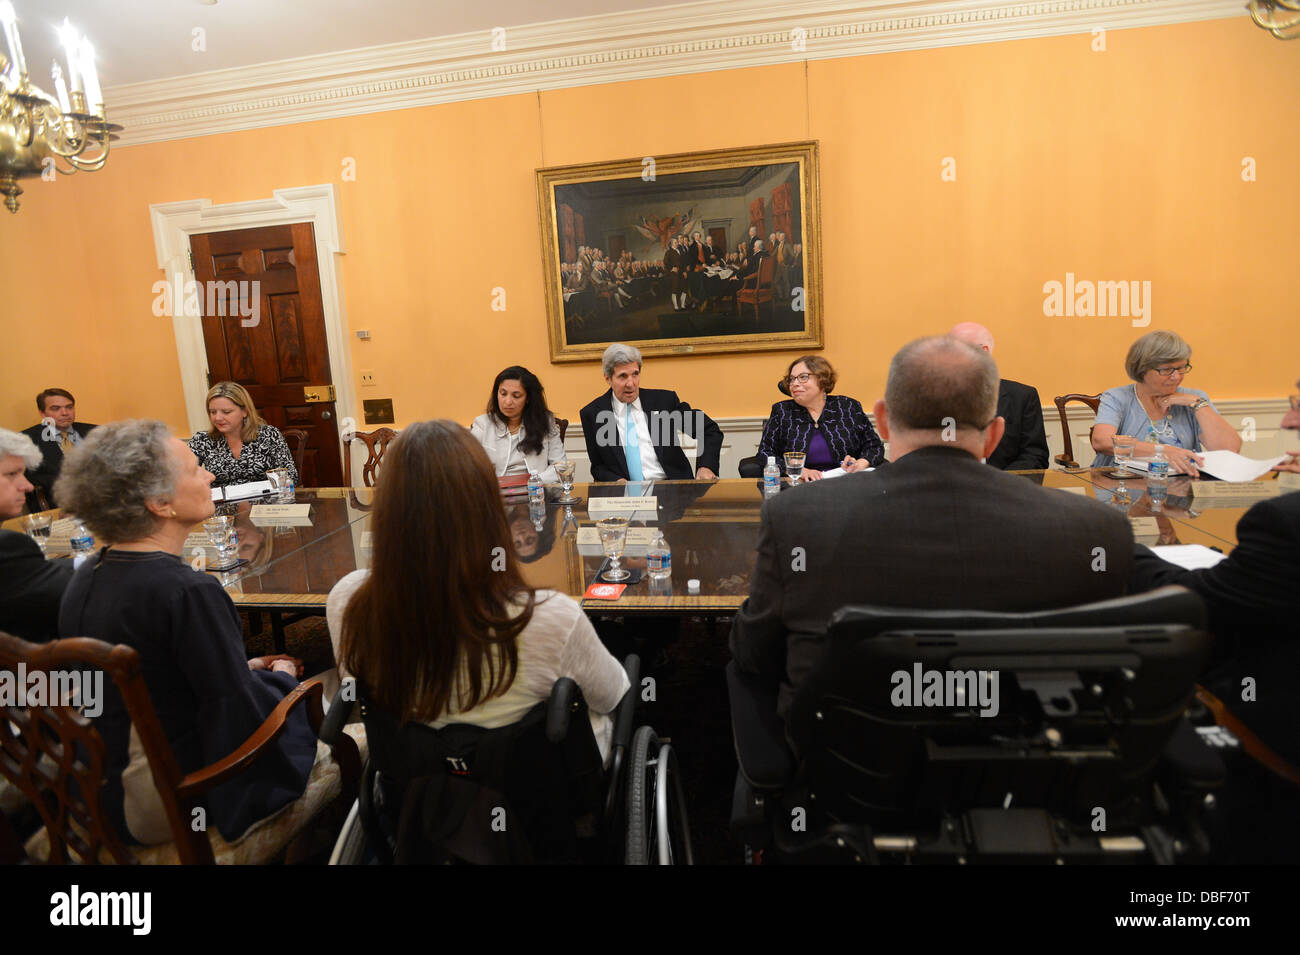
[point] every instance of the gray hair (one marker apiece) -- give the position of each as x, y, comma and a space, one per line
19, 445
618, 354
935, 378
1154, 349
111, 476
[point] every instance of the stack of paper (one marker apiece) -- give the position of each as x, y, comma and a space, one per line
1189, 556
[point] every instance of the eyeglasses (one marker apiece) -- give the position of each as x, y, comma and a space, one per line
798, 379
1168, 372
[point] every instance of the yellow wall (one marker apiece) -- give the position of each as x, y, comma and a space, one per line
1124, 164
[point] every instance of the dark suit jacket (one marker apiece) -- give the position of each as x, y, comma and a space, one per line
30, 588
1254, 601
934, 529
1024, 446
608, 462
51, 461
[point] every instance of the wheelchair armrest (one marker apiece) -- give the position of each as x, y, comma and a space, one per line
339, 712
625, 715
558, 709
765, 759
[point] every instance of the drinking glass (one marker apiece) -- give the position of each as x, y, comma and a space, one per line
38, 529
1123, 446
220, 529
794, 465
279, 480
613, 535
565, 470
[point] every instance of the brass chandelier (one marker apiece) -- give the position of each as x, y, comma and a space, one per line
40, 132
1279, 17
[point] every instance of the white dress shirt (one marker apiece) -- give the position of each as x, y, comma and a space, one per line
651, 469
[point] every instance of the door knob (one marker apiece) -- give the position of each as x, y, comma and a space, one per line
325, 415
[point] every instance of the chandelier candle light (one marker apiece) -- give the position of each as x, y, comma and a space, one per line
38, 130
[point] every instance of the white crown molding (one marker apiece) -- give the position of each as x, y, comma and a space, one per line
687, 38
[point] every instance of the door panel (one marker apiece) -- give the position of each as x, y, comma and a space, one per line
277, 348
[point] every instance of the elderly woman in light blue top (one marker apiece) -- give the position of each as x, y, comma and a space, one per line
1156, 409
518, 432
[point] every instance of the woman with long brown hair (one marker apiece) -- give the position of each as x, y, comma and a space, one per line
442, 628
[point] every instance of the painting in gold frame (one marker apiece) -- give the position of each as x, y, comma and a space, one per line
692, 253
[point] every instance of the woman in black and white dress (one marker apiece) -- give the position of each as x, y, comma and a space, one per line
240, 447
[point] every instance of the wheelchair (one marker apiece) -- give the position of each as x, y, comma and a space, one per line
532, 792
1083, 754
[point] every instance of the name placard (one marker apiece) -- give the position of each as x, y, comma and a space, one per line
1073, 490
280, 515
636, 536
1289, 480
599, 507
1145, 529
1231, 493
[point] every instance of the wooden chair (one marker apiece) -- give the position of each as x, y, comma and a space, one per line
297, 441
55, 758
760, 291
376, 444
1066, 460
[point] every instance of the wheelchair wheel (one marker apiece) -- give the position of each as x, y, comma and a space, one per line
350, 849
658, 831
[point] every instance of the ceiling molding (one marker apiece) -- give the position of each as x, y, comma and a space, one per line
664, 41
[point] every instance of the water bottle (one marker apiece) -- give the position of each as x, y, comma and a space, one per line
1158, 478
536, 490
771, 476
83, 542
537, 514
659, 558
1159, 465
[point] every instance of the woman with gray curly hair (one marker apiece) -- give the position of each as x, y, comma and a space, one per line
30, 586
141, 490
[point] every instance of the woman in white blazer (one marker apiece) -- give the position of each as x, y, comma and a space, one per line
519, 432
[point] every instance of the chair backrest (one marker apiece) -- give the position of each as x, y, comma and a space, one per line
1093, 402
56, 758
297, 441
903, 720
563, 425
376, 443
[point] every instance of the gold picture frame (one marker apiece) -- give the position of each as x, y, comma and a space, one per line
717, 301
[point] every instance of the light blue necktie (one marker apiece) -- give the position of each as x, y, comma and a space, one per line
632, 448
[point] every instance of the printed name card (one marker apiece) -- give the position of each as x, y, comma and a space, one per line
1145, 529
1073, 490
1289, 480
636, 537
601, 507
62, 529
1233, 494
280, 515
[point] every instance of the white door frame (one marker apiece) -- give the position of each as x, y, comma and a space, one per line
175, 222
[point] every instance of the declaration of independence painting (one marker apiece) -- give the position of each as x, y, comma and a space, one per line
691, 253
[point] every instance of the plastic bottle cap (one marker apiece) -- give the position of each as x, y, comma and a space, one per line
771, 459
693, 586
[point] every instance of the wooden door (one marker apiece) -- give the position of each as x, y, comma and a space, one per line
270, 336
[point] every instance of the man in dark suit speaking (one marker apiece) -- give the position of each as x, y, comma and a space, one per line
57, 434
1024, 445
935, 529
631, 433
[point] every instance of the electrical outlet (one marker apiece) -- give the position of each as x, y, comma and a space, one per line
367, 379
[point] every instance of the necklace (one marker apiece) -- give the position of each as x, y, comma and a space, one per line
1164, 428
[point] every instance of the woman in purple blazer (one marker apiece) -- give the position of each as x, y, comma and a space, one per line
832, 430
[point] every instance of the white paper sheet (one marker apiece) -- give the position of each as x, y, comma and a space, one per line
1230, 466
1188, 556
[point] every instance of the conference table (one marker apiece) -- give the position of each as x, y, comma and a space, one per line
289, 564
